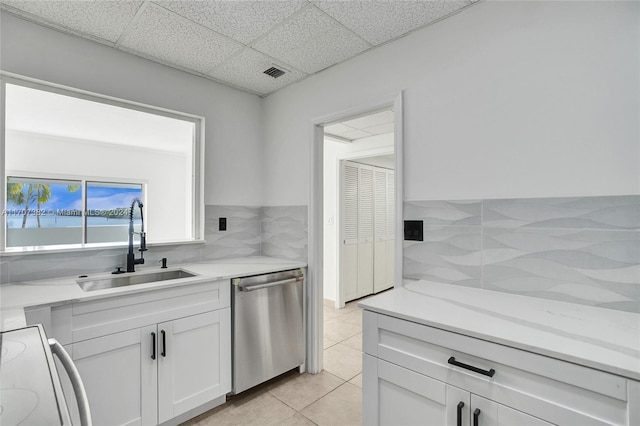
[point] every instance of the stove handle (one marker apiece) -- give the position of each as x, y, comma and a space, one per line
76, 381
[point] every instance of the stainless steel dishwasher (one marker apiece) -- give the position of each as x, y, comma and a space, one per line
267, 321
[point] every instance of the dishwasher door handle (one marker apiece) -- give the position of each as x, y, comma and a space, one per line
268, 285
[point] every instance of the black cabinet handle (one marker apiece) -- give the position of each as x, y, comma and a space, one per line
153, 345
459, 414
476, 417
164, 343
489, 373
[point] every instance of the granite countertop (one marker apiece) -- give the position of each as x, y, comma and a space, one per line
604, 339
15, 297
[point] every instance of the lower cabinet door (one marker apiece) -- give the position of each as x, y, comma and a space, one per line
120, 377
193, 364
485, 412
396, 396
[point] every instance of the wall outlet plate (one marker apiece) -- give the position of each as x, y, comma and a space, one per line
222, 224
413, 230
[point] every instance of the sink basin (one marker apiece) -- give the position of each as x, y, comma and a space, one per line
89, 284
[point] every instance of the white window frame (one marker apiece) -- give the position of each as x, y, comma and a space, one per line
197, 196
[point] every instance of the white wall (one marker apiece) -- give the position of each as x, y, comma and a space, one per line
333, 152
233, 143
505, 99
64, 156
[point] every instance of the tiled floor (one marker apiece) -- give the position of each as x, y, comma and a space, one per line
333, 397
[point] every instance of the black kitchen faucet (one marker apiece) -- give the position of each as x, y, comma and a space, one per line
131, 257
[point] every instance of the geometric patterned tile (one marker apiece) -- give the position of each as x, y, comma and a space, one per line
611, 212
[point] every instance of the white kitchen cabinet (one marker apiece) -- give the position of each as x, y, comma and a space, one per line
148, 357
193, 362
120, 377
397, 396
483, 411
155, 373
416, 374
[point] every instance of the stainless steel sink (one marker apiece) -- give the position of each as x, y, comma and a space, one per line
89, 284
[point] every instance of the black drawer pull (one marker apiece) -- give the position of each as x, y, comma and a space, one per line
153, 345
489, 373
164, 343
476, 417
459, 413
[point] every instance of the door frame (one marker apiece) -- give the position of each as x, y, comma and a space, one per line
316, 219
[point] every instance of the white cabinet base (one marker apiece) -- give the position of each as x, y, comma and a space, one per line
408, 379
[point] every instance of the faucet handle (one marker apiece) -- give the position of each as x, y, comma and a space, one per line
164, 262
118, 270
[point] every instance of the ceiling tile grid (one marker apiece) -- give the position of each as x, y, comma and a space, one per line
240, 20
234, 41
97, 19
380, 21
162, 34
246, 69
382, 117
311, 41
380, 129
377, 123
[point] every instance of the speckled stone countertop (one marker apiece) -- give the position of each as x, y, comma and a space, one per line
599, 338
15, 297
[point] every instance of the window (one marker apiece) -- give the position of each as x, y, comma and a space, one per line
84, 157
43, 212
108, 208
49, 212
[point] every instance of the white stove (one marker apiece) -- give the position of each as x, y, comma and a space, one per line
30, 389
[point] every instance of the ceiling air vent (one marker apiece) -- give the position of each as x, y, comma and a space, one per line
274, 72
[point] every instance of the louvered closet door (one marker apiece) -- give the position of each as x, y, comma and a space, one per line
390, 235
380, 230
349, 221
365, 230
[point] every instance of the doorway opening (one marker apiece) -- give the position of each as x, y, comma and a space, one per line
359, 207
356, 172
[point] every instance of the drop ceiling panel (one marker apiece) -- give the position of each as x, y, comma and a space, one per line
200, 36
175, 40
104, 20
380, 129
311, 41
241, 20
355, 134
370, 120
338, 129
380, 21
246, 70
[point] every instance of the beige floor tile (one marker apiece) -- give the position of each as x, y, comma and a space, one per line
357, 381
332, 312
329, 313
342, 407
297, 420
354, 317
305, 389
338, 330
260, 408
342, 361
354, 342
327, 343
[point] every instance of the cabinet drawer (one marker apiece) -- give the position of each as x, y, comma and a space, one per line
558, 391
115, 314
